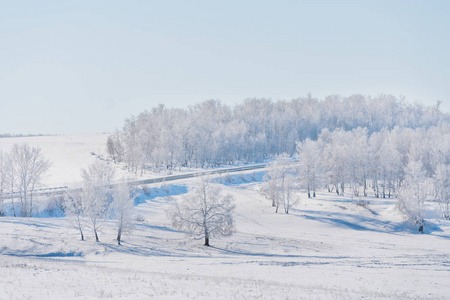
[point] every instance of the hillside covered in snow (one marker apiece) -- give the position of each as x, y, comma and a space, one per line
331, 246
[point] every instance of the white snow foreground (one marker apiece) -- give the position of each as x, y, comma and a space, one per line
325, 248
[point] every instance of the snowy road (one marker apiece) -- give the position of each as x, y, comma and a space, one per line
61, 190
196, 174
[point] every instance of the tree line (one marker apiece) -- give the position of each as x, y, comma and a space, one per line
211, 133
412, 165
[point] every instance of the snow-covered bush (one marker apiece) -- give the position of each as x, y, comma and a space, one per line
54, 207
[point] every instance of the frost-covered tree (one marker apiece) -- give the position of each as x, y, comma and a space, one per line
269, 189
3, 180
335, 160
204, 212
442, 189
114, 147
11, 178
29, 166
279, 183
389, 165
74, 210
310, 171
122, 209
96, 193
358, 161
413, 193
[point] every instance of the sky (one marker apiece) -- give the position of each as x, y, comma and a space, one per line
75, 67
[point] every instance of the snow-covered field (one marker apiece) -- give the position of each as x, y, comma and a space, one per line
67, 154
326, 248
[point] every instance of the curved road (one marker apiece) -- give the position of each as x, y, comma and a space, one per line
65, 189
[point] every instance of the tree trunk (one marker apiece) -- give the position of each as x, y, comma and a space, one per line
12, 204
12, 198
31, 203
365, 187
206, 240
118, 236
96, 236
376, 189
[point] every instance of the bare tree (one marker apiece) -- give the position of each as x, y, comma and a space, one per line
114, 147
442, 189
123, 205
29, 165
3, 180
96, 193
412, 194
310, 167
204, 212
73, 208
269, 189
279, 183
110, 148
11, 178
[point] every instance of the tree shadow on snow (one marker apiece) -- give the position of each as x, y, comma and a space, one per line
363, 223
155, 227
346, 220
273, 255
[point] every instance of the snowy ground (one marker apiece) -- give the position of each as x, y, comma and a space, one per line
326, 248
67, 154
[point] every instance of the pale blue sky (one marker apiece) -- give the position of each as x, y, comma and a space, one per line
85, 66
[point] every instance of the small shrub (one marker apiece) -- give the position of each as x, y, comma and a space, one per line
54, 207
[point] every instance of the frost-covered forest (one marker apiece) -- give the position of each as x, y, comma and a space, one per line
210, 134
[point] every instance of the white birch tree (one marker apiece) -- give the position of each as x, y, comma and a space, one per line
204, 212
74, 210
29, 165
442, 189
96, 193
309, 171
122, 209
279, 183
412, 194
3, 180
